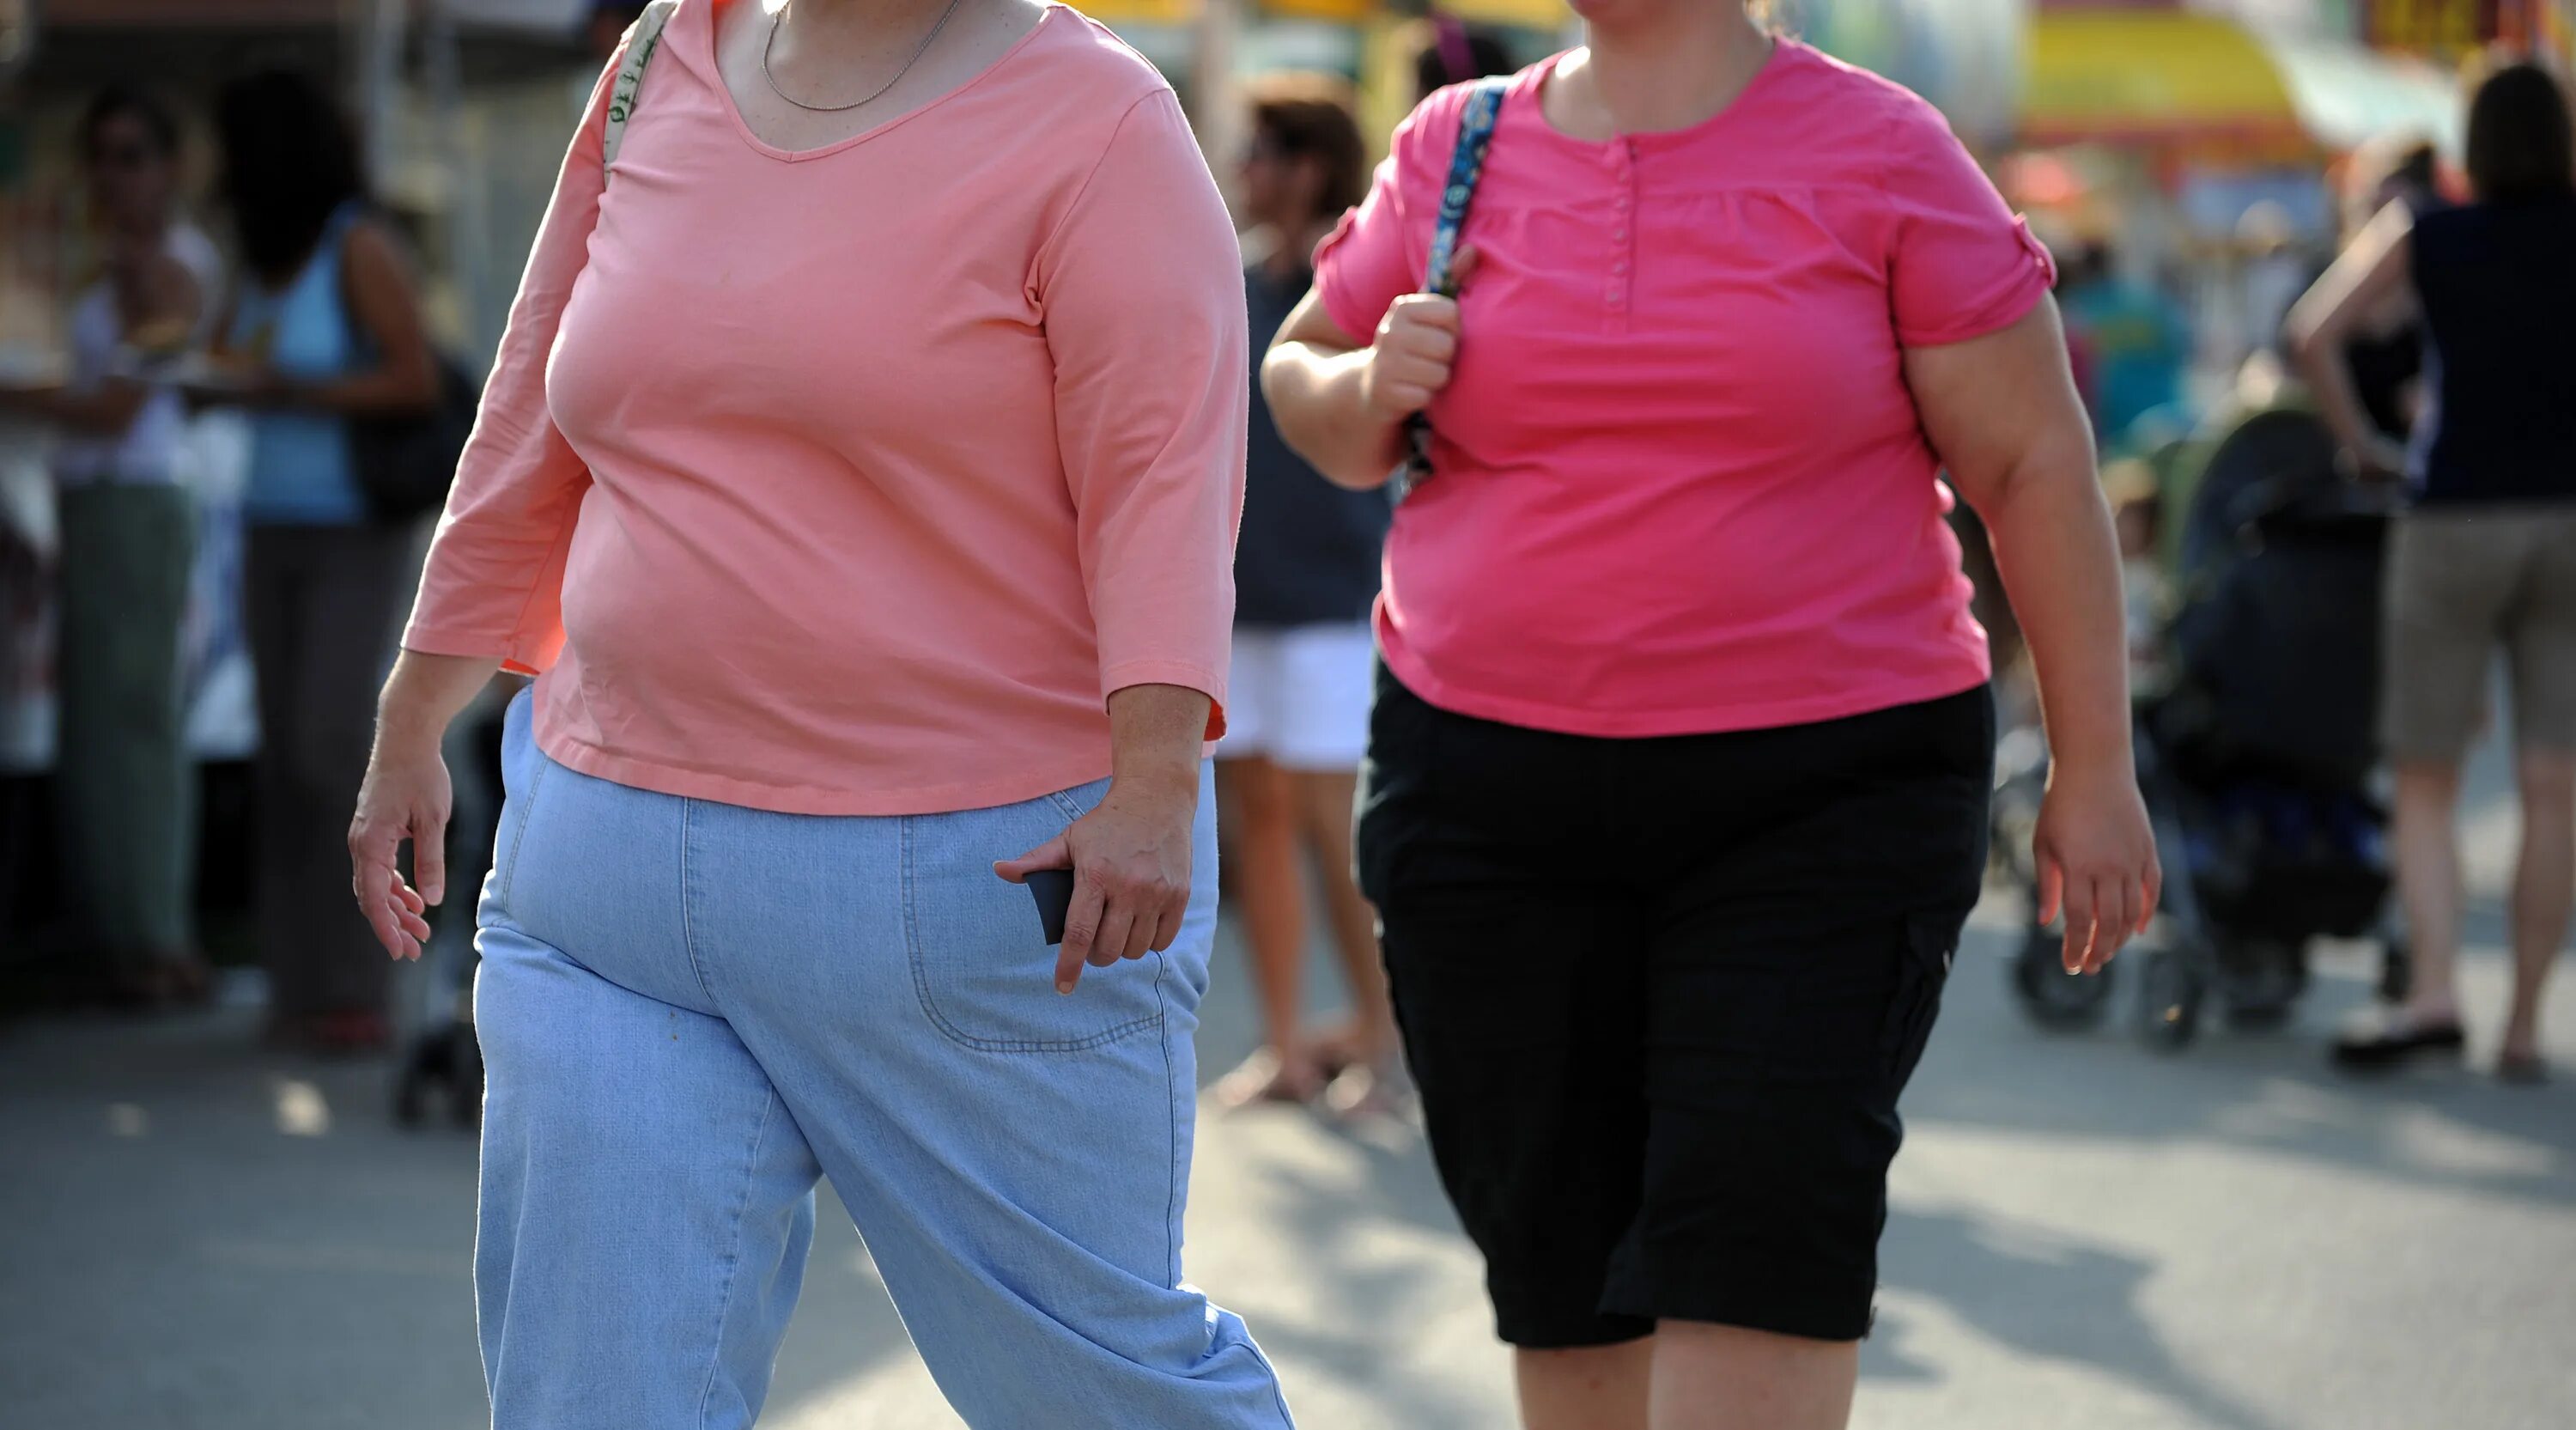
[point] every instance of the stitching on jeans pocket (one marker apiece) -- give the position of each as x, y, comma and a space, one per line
1072, 809
913, 950
527, 816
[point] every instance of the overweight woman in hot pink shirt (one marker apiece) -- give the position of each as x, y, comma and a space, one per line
859, 475
1676, 796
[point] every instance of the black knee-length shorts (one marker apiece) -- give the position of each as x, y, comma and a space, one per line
1661, 995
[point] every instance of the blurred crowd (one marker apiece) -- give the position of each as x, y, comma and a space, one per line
249, 396
235, 437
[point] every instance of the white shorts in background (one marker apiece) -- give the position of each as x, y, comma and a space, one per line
1300, 696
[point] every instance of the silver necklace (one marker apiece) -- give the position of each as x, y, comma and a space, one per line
874, 95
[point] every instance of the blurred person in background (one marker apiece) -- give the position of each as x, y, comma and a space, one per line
1305, 574
2276, 270
2136, 341
609, 20
2384, 347
1678, 777
325, 326
125, 781
861, 466
2486, 556
1453, 52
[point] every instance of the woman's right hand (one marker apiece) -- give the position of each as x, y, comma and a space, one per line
1416, 342
406, 797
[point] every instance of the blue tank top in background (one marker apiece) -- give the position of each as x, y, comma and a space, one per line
2498, 285
301, 472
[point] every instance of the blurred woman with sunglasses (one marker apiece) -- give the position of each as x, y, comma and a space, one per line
128, 529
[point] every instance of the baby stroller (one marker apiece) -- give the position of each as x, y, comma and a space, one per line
2257, 762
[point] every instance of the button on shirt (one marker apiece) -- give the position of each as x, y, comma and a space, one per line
1679, 483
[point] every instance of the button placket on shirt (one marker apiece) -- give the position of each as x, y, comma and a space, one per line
1621, 280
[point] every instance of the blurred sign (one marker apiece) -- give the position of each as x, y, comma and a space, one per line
2447, 26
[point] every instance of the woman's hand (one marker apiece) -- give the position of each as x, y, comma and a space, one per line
406, 796
1416, 342
1131, 874
2096, 857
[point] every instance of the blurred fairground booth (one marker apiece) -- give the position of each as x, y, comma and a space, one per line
2160, 120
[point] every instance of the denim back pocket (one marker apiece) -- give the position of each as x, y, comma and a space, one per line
523, 773
980, 964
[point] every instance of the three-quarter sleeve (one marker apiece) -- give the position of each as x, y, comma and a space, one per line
1141, 291
1960, 264
493, 585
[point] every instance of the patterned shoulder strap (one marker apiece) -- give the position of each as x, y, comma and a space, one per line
1466, 166
641, 41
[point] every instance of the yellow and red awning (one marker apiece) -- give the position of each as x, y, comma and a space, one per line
2174, 76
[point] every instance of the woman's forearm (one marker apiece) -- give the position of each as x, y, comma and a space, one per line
2059, 558
395, 390
425, 693
1156, 736
1317, 397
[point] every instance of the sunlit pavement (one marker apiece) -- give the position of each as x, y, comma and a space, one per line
203, 1236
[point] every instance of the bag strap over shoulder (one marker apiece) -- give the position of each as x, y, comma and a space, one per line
642, 39
1466, 167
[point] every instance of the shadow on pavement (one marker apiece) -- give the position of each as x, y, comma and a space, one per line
2037, 1294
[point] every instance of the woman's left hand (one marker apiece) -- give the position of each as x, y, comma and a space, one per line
1131, 874
2096, 856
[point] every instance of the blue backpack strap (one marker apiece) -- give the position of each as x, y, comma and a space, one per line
1466, 166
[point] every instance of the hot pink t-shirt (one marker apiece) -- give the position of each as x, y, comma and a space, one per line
851, 481
1680, 485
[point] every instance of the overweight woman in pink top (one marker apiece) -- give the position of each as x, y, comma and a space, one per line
859, 475
1676, 797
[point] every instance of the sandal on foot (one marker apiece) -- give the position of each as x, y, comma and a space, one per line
2396, 1040
1268, 1077
2522, 1069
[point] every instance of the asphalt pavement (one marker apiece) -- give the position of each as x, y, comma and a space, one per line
196, 1234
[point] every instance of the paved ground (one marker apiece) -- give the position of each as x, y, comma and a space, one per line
198, 1236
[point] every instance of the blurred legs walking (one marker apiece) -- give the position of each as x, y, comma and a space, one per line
321, 606
126, 781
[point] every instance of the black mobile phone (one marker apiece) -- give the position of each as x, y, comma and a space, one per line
1053, 889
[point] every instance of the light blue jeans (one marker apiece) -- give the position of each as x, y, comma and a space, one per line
691, 1012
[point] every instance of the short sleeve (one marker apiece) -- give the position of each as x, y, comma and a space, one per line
1368, 261
1960, 264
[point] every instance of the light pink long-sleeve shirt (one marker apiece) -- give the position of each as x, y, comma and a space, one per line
853, 480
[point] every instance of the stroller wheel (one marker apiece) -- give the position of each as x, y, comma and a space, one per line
410, 1098
2052, 997
2260, 981
2169, 1000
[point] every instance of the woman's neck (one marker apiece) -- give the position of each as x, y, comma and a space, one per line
1667, 71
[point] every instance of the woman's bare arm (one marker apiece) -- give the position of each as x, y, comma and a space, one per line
386, 308
2325, 322
1341, 401
2003, 413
